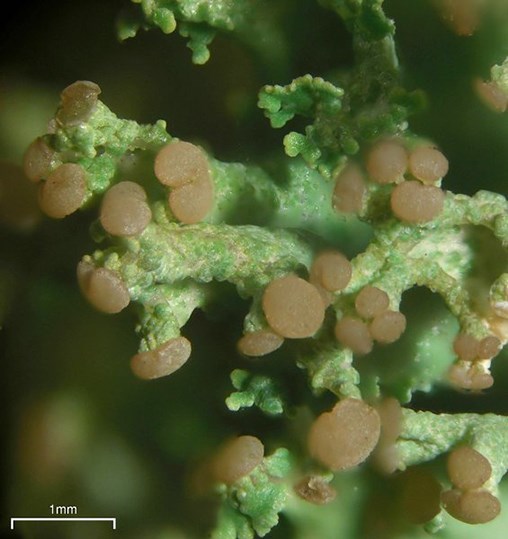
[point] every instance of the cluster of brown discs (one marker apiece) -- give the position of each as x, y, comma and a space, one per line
469, 470
468, 348
106, 291
64, 187
469, 373
416, 200
183, 167
295, 308
345, 436
383, 325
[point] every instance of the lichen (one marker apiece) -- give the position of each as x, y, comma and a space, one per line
268, 224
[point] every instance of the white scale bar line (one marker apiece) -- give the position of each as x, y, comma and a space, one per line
39, 519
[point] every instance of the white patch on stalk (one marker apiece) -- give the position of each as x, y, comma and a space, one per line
445, 253
501, 308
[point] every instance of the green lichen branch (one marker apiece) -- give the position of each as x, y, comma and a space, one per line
374, 102
251, 506
365, 17
200, 20
111, 150
337, 130
167, 269
102, 145
425, 436
440, 257
499, 75
167, 255
255, 390
352, 109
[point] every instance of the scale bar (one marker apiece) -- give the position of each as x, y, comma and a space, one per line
57, 519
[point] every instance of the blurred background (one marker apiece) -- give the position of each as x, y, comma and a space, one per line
77, 429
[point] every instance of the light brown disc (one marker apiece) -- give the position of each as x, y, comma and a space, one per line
316, 490
462, 16
450, 500
479, 381
331, 270
470, 376
386, 456
127, 189
259, 343
345, 436
103, 288
293, 307
237, 458
179, 163
428, 164
326, 296
467, 468
491, 95
466, 347
371, 301
390, 412
349, 190
388, 326
413, 202
38, 160
191, 202
354, 334
472, 507
387, 162
63, 191
488, 347
78, 102
420, 495
124, 211
164, 360
479, 507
